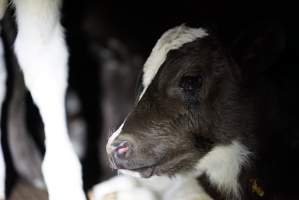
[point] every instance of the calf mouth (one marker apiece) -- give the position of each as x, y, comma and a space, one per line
145, 172
168, 168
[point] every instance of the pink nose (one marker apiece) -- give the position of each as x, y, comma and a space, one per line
120, 149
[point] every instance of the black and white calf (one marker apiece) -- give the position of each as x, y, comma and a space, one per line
220, 115
42, 54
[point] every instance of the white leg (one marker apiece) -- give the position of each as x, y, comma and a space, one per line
42, 54
2, 96
121, 188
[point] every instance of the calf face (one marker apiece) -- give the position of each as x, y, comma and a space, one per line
185, 108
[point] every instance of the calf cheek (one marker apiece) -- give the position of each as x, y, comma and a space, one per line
159, 137
155, 148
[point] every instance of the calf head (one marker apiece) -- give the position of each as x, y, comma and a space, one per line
191, 113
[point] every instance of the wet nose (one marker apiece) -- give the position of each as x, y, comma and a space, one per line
120, 150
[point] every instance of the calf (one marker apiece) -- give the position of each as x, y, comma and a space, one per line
218, 113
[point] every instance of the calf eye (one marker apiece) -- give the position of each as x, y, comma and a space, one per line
190, 83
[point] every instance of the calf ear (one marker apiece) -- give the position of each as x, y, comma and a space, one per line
259, 47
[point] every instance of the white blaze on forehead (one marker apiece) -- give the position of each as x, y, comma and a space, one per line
170, 40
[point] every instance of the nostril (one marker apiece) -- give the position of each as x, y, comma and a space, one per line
121, 149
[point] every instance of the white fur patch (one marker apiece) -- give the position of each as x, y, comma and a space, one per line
136, 194
113, 137
130, 173
2, 97
223, 164
170, 40
43, 56
115, 184
185, 187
